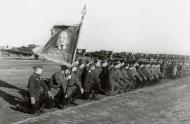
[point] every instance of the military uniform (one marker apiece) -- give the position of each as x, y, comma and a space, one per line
179, 68
58, 83
147, 72
91, 83
134, 77
125, 78
73, 88
58, 87
158, 72
154, 73
80, 74
116, 84
35, 85
170, 70
175, 71
141, 72
104, 79
98, 69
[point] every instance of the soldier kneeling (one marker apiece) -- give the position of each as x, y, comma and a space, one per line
38, 98
92, 84
58, 85
74, 87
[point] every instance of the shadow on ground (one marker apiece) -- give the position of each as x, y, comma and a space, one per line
12, 100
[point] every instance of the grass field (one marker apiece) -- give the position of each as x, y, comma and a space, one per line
14, 74
167, 102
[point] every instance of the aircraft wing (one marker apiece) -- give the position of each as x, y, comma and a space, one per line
17, 52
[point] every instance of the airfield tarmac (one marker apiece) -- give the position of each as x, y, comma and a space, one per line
166, 102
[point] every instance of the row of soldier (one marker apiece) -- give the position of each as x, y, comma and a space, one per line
173, 70
87, 79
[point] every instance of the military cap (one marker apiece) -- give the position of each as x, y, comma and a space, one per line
95, 60
152, 63
126, 64
147, 62
140, 62
80, 61
130, 64
37, 66
64, 67
157, 63
110, 61
87, 61
117, 62
134, 61
104, 63
92, 64
122, 61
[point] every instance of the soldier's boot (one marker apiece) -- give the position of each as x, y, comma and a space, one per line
101, 91
59, 104
73, 102
22, 108
94, 95
121, 90
86, 95
126, 88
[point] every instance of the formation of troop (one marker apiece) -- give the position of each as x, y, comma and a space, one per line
88, 78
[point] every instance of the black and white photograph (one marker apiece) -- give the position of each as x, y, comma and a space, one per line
95, 62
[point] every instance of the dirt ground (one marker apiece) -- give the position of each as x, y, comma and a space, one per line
166, 102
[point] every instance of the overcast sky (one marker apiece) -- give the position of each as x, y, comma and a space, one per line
155, 26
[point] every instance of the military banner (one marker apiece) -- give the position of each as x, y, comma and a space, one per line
62, 45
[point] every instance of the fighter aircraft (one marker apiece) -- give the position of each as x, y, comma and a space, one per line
30, 50
19, 52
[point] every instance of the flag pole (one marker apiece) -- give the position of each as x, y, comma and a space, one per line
83, 12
